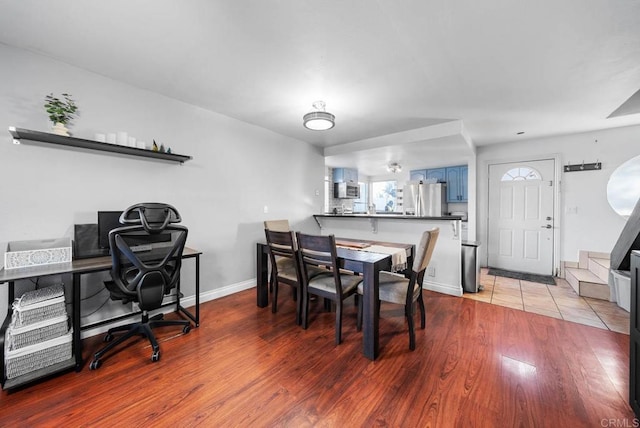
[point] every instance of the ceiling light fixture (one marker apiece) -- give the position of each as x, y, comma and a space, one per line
319, 120
394, 167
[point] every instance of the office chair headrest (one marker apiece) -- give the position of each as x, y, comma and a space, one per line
153, 216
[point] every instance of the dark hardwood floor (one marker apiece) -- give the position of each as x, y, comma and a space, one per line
476, 364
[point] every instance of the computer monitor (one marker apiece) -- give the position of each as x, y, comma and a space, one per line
109, 220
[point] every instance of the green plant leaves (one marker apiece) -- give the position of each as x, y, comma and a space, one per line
60, 110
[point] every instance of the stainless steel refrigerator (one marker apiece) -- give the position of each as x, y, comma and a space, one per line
425, 199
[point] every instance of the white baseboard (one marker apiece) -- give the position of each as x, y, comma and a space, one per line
219, 292
442, 288
185, 302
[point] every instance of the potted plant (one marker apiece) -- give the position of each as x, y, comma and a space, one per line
60, 111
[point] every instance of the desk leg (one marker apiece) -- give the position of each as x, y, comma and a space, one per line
262, 268
197, 290
180, 308
371, 320
75, 322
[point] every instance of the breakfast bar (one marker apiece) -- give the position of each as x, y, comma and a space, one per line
444, 272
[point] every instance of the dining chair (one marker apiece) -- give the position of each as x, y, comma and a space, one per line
278, 226
320, 251
396, 288
286, 269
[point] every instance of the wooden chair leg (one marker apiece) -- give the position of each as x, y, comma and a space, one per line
412, 333
305, 309
274, 298
271, 281
422, 312
298, 301
338, 322
359, 323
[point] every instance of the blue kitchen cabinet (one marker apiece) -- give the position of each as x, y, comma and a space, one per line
418, 175
457, 183
345, 175
456, 178
439, 175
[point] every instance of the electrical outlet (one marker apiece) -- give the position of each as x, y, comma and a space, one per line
266, 209
431, 271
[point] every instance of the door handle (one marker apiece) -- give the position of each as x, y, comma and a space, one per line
547, 226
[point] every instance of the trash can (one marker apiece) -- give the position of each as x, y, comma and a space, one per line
470, 266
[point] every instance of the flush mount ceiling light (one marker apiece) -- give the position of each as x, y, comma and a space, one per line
318, 120
394, 167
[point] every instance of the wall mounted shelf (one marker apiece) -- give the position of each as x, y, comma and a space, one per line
20, 134
583, 167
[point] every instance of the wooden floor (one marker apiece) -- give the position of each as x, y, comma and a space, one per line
476, 364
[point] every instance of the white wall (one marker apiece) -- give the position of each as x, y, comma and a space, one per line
587, 220
236, 170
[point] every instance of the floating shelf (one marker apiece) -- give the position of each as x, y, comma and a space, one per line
20, 134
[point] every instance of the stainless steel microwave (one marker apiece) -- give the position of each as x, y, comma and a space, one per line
346, 190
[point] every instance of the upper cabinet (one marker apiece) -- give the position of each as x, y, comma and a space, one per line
437, 174
418, 175
456, 178
345, 175
457, 183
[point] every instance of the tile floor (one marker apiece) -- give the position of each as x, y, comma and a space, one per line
558, 301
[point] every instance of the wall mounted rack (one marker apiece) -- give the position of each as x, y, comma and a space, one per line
583, 167
26, 135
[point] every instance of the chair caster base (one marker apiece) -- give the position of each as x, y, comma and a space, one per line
95, 364
155, 357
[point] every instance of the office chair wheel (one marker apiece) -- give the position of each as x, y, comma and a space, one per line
108, 337
155, 357
95, 364
186, 329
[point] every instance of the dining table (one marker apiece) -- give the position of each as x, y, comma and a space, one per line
353, 256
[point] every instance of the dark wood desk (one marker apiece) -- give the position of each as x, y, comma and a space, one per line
367, 263
77, 268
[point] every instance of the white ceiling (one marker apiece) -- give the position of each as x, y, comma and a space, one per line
495, 67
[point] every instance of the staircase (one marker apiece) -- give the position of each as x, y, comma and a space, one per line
590, 278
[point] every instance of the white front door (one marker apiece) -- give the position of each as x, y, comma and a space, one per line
521, 224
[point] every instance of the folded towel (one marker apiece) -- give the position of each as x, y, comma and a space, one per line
398, 256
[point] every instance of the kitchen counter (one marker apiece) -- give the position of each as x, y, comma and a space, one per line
444, 272
389, 216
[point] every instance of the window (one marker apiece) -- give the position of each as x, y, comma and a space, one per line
522, 173
383, 195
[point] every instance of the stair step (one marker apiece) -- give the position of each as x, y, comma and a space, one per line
587, 284
599, 267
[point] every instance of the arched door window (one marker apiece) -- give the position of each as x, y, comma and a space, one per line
521, 173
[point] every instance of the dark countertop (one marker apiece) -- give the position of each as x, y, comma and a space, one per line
389, 216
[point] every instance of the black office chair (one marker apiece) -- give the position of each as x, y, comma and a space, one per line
144, 276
